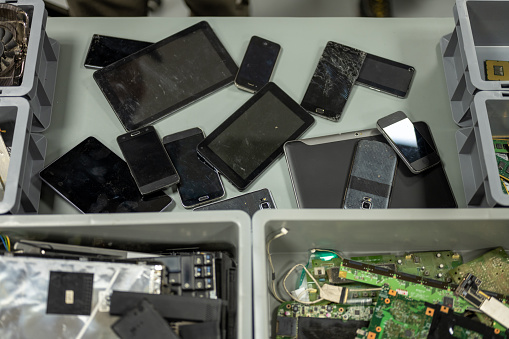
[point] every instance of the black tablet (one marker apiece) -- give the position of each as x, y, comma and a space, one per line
253, 137
95, 180
166, 76
319, 169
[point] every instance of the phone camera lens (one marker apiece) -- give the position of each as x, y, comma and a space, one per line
264, 205
366, 203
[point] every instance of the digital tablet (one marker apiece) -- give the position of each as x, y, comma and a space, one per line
95, 180
166, 76
253, 137
319, 169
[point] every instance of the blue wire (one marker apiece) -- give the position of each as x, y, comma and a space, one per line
5, 245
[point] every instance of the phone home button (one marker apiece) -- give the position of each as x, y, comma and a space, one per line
205, 197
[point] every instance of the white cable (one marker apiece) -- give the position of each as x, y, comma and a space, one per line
314, 280
281, 233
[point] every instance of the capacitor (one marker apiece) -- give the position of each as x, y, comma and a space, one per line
441, 266
400, 261
439, 255
439, 275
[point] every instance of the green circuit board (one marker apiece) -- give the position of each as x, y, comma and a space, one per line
397, 316
434, 265
422, 289
492, 268
501, 145
295, 320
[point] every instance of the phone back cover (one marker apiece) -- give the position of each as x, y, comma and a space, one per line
249, 203
336, 73
372, 174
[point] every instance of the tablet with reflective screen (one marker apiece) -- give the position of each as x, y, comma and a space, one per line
166, 76
253, 137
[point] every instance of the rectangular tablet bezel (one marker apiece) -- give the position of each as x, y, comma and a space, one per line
210, 156
66, 195
216, 44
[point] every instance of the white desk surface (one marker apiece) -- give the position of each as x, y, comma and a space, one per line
80, 109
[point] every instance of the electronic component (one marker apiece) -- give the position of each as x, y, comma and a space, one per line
141, 322
447, 324
501, 145
492, 269
206, 330
14, 33
68, 289
418, 288
170, 307
295, 320
423, 264
497, 70
469, 289
397, 316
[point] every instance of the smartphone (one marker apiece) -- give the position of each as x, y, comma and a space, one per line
199, 183
249, 203
417, 154
332, 81
371, 176
105, 50
148, 161
258, 64
386, 76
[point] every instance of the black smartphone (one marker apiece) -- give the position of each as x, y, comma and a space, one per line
258, 64
105, 50
249, 203
148, 161
417, 154
386, 76
371, 176
199, 183
332, 81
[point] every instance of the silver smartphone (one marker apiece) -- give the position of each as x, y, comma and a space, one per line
371, 176
417, 154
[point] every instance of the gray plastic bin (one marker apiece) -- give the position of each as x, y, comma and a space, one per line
361, 233
39, 76
479, 35
211, 230
16, 114
481, 180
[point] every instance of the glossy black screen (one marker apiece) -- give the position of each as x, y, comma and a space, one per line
408, 140
197, 180
258, 62
95, 180
105, 50
256, 134
146, 156
387, 75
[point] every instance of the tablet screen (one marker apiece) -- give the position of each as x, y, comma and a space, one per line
166, 76
95, 180
249, 140
257, 133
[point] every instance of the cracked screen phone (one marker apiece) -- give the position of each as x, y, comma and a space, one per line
332, 81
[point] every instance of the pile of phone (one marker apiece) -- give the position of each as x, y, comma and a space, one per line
374, 163
141, 92
78, 291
